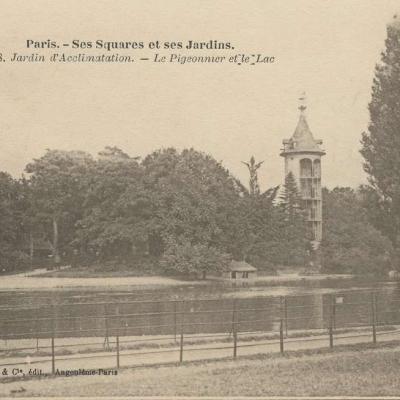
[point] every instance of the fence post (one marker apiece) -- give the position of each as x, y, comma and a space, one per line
175, 320
53, 328
333, 311
182, 327
37, 335
117, 335
373, 317
331, 332
234, 329
106, 338
53, 358
233, 317
332, 321
282, 307
283, 312
117, 349
286, 315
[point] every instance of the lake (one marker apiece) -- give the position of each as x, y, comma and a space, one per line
208, 308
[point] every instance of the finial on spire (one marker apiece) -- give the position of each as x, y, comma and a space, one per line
302, 100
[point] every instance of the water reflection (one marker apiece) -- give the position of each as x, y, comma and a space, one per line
300, 305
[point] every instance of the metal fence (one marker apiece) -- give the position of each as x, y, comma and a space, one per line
221, 327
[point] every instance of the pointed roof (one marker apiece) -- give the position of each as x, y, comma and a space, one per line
302, 140
302, 136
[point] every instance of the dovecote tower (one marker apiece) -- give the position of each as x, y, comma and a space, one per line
302, 154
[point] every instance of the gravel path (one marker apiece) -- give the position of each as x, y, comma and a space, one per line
192, 352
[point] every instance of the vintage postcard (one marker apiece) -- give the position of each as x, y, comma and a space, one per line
199, 198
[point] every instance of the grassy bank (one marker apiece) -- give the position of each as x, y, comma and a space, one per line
358, 370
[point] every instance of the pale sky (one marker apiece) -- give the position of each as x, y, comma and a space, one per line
326, 48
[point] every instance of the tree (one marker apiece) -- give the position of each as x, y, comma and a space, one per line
381, 143
30, 224
254, 187
11, 225
112, 224
56, 181
251, 227
193, 197
292, 225
290, 200
350, 243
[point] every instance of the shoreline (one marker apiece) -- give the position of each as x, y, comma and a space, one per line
37, 280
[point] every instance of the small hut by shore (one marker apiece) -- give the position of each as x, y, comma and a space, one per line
240, 270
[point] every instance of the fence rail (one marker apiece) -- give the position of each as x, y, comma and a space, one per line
269, 323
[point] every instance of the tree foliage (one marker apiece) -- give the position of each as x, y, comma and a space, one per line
57, 193
111, 219
294, 235
11, 224
350, 243
171, 206
175, 211
381, 143
253, 167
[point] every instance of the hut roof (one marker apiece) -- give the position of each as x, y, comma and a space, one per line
241, 266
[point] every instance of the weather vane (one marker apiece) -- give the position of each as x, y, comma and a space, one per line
302, 100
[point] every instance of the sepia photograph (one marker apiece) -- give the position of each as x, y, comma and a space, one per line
200, 199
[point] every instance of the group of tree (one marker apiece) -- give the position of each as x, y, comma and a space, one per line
177, 211
172, 212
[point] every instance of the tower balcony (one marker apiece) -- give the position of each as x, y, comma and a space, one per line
290, 151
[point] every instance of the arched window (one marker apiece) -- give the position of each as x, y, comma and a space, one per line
317, 168
305, 168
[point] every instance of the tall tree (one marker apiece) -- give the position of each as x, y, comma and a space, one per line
253, 167
294, 232
112, 223
290, 199
56, 181
11, 225
193, 197
381, 143
350, 243
254, 227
